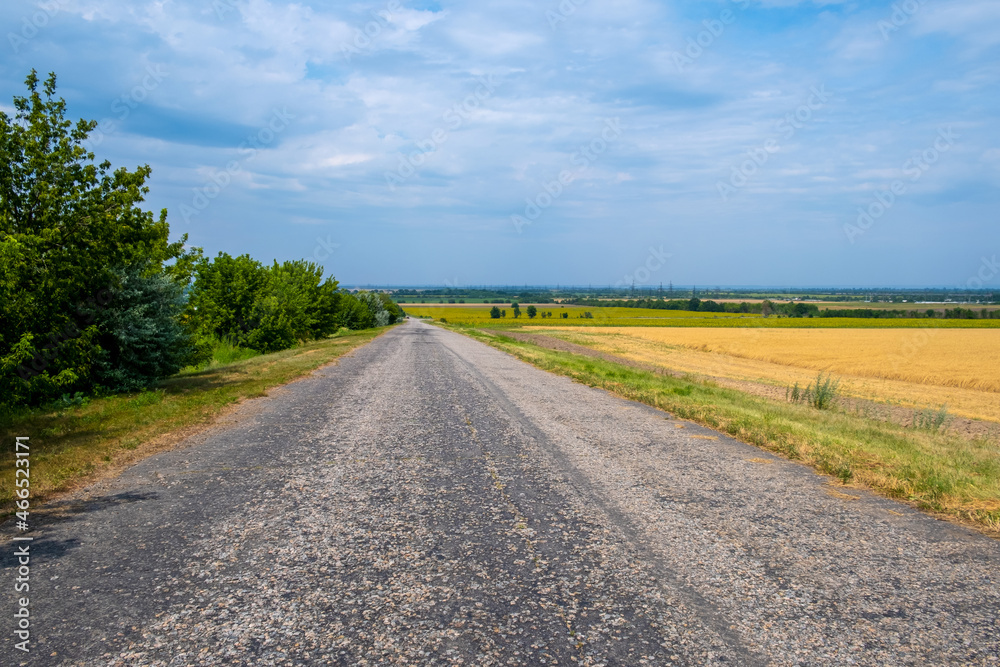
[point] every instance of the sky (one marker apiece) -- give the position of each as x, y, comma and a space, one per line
543, 142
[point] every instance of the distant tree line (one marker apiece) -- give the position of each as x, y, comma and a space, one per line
947, 313
695, 304
503, 295
93, 296
787, 309
532, 311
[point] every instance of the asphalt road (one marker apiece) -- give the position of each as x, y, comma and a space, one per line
430, 500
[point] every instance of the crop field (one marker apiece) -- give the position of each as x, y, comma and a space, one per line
920, 368
479, 315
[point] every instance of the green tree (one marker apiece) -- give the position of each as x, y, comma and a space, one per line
532, 311
517, 309
396, 313
353, 313
141, 337
310, 303
495, 313
70, 231
223, 301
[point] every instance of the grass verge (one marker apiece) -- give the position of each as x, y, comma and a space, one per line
74, 445
936, 472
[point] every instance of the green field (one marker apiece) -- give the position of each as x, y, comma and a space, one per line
479, 315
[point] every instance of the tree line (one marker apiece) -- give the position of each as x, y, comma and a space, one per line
93, 295
497, 313
787, 309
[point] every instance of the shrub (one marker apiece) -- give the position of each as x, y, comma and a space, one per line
140, 335
932, 420
821, 395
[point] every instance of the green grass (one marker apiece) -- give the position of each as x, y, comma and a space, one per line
935, 471
225, 352
78, 441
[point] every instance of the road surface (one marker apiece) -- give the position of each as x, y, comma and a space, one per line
431, 500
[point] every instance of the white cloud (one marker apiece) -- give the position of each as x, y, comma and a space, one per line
977, 22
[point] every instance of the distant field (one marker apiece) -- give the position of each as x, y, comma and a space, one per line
919, 307
609, 317
479, 314
957, 367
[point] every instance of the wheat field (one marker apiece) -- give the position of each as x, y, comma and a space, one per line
918, 367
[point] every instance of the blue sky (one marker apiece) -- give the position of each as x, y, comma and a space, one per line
749, 142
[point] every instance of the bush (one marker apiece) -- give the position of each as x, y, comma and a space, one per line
140, 335
273, 308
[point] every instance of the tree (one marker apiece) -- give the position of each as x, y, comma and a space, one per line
223, 302
517, 309
353, 314
310, 302
141, 337
495, 313
70, 231
532, 311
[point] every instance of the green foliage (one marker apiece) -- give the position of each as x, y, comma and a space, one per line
932, 420
75, 401
141, 337
92, 293
222, 352
69, 228
517, 309
273, 308
821, 394
532, 311
224, 294
495, 313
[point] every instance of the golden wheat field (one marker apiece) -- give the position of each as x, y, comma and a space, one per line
918, 367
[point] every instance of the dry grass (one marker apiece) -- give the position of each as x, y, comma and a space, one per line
78, 445
957, 367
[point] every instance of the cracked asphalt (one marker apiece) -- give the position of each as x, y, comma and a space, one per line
431, 500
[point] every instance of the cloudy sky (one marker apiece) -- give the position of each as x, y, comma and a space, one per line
748, 142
